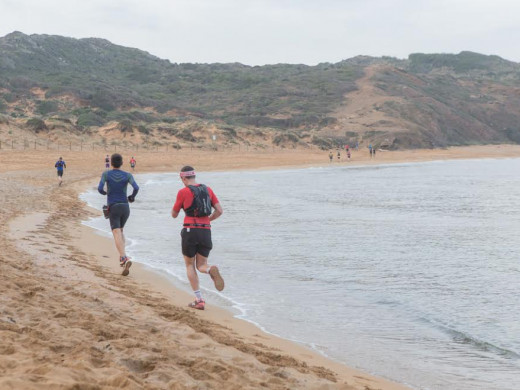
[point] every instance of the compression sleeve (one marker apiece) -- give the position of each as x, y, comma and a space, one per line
134, 185
102, 182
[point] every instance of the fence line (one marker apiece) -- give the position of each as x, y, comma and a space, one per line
38, 145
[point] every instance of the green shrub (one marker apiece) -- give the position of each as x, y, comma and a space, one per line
186, 135
90, 118
322, 143
167, 130
229, 131
142, 129
36, 125
46, 106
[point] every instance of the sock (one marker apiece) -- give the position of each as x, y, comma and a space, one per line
198, 295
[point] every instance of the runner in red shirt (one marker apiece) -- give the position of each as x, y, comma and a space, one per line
196, 234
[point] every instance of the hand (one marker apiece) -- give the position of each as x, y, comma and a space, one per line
131, 198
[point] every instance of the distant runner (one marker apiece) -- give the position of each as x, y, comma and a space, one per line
107, 162
117, 201
331, 156
348, 155
339, 155
132, 163
60, 164
197, 200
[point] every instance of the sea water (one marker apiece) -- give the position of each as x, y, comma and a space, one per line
407, 271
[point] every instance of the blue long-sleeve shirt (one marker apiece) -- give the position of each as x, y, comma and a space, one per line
117, 182
60, 164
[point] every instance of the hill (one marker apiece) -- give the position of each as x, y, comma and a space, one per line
53, 87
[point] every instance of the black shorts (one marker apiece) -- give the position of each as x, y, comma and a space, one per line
118, 214
196, 241
60, 173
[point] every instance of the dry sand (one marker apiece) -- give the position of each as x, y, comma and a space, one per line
68, 319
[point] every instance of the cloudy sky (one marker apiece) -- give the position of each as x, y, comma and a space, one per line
257, 32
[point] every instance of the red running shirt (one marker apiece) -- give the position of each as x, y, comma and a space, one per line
185, 199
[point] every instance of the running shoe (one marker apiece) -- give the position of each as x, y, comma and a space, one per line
197, 304
217, 279
126, 263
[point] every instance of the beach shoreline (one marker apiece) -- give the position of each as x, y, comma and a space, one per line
75, 255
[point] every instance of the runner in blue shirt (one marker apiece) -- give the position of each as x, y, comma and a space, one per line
60, 164
117, 181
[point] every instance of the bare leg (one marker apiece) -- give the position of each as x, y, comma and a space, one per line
119, 240
202, 263
191, 272
212, 270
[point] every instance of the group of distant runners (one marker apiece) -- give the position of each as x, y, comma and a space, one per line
371, 149
200, 204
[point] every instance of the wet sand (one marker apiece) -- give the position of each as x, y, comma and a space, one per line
68, 319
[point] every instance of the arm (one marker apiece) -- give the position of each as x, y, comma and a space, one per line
216, 205
134, 185
102, 184
217, 213
178, 205
131, 180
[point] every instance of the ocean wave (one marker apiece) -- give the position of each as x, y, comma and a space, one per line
462, 337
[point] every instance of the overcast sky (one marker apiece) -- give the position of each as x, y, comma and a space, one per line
258, 32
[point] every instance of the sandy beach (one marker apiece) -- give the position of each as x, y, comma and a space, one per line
69, 320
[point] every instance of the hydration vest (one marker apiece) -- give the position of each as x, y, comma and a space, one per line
201, 206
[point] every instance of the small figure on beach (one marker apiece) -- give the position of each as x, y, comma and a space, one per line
60, 165
374, 151
197, 201
132, 163
107, 162
117, 181
347, 148
339, 155
331, 156
370, 150
348, 155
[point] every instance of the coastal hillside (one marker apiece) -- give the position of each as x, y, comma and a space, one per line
90, 90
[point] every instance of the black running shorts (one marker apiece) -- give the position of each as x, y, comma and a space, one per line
60, 173
118, 214
196, 241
